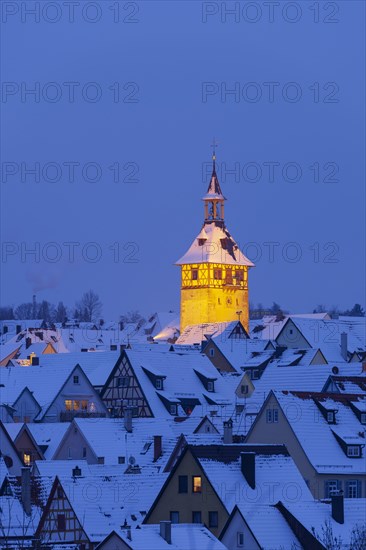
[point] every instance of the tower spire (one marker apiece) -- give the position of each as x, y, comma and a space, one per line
214, 144
214, 199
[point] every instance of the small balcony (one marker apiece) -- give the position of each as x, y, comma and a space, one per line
68, 416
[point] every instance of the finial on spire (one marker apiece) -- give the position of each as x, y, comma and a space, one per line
214, 144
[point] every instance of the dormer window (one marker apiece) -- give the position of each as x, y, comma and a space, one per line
159, 383
363, 418
330, 417
353, 451
173, 409
210, 385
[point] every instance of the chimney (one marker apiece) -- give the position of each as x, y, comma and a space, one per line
247, 464
28, 342
26, 490
228, 432
128, 419
344, 345
34, 309
18, 329
166, 531
158, 447
338, 507
35, 360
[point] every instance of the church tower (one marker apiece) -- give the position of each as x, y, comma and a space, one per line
214, 285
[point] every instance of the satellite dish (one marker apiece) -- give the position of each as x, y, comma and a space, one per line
335, 370
132, 460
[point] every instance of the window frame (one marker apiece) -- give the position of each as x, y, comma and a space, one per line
199, 513
195, 490
183, 484
61, 519
171, 513
76, 379
213, 524
351, 454
240, 539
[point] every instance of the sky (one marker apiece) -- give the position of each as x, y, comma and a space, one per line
104, 165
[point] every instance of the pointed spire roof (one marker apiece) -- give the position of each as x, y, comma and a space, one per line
214, 189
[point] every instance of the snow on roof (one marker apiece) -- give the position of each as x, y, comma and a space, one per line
183, 537
314, 515
181, 382
195, 334
103, 503
238, 350
277, 532
96, 365
13, 520
314, 433
219, 248
275, 474
48, 435
53, 468
326, 335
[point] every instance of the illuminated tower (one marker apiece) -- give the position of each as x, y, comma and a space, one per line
214, 270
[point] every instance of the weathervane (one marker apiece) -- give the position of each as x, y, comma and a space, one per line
214, 144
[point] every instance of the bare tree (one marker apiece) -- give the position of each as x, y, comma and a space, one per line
24, 311
89, 307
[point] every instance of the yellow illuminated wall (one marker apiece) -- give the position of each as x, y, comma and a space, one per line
214, 293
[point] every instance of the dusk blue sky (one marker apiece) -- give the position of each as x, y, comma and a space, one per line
169, 52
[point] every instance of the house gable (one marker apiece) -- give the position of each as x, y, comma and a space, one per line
290, 336
123, 389
26, 407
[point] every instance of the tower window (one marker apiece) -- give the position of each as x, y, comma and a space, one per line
239, 275
219, 301
229, 301
201, 242
194, 274
217, 274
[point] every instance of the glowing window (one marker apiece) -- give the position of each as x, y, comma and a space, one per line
27, 459
196, 484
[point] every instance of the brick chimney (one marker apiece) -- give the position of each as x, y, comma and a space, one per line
166, 531
26, 490
247, 464
158, 447
338, 507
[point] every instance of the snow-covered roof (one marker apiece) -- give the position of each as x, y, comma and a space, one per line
218, 247
316, 436
315, 515
195, 334
47, 435
181, 378
275, 471
183, 537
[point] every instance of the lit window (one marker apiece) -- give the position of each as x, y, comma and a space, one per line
174, 517
196, 517
84, 405
68, 404
27, 459
76, 379
240, 539
213, 519
196, 484
353, 450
